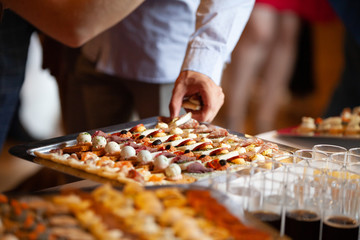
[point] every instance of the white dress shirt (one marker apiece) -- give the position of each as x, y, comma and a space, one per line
163, 37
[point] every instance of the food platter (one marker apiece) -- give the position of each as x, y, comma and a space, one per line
292, 132
166, 204
343, 126
28, 151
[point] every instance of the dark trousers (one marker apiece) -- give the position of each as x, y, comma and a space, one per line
92, 99
347, 93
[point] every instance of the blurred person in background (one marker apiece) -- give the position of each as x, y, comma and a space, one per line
162, 52
15, 36
72, 24
264, 58
347, 93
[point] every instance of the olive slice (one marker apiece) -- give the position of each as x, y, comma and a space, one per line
222, 162
157, 142
123, 132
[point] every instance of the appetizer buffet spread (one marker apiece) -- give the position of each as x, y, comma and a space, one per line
173, 151
346, 124
134, 213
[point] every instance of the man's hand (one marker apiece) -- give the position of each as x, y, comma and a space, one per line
190, 83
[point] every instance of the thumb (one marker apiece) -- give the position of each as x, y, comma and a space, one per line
175, 103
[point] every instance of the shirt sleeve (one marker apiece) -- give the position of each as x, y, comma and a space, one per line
219, 24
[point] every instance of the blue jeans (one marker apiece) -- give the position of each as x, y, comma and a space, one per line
15, 36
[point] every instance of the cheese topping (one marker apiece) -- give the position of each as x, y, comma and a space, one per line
176, 131
173, 171
241, 150
149, 131
128, 152
162, 125
84, 137
144, 156
161, 162
99, 142
258, 157
187, 134
112, 147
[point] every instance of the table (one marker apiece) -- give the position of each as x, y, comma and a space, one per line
295, 142
307, 142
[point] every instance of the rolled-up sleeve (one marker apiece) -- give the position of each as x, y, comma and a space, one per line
219, 24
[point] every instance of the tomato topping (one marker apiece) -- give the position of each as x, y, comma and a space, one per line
3, 198
219, 151
202, 146
318, 120
138, 128
173, 137
121, 164
186, 142
156, 178
217, 164
156, 133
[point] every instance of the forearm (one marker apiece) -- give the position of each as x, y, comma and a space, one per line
72, 22
219, 25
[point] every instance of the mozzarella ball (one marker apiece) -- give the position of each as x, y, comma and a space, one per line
112, 147
144, 156
84, 137
128, 152
99, 142
173, 171
161, 162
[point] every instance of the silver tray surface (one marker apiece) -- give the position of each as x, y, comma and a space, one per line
26, 151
